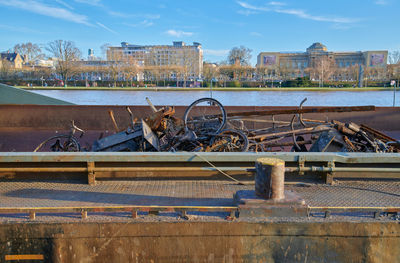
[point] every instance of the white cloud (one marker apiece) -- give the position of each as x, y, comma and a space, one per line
303, 14
90, 2
125, 15
299, 13
178, 33
106, 28
252, 7
216, 52
43, 9
381, 2
117, 14
256, 34
144, 23
247, 12
64, 4
276, 3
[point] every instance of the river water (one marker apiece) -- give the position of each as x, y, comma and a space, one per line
227, 98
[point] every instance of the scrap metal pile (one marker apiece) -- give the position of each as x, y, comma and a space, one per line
207, 127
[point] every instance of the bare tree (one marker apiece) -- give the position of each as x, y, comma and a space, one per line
210, 71
113, 70
131, 69
285, 71
185, 64
394, 57
66, 54
175, 70
164, 73
324, 67
30, 51
6, 69
262, 73
239, 56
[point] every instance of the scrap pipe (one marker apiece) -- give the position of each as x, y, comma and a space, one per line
342, 169
353, 208
300, 111
289, 133
197, 169
113, 208
121, 169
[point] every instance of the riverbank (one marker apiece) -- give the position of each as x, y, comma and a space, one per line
206, 89
237, 97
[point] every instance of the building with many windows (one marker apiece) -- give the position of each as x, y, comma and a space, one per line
317, 53
189, 58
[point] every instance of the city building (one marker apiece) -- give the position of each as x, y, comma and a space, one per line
15, 60
91, 56
188, 57
45, 63
298, 62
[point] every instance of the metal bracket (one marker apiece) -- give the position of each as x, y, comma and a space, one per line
301, 161
330, 175
91, 173
84, 214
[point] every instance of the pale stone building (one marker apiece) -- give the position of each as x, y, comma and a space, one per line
179, 54
299, 61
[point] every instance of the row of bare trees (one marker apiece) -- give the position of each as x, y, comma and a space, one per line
114, 71
236, 68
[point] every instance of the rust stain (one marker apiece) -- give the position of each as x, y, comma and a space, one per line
24, 257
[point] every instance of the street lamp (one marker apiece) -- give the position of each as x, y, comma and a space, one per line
393, 83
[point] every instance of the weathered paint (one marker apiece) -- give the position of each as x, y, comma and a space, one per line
204, 241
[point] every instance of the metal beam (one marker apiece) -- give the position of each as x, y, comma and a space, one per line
152, 157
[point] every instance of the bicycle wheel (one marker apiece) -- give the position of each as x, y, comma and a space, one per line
229, 141
59, 143
205, 116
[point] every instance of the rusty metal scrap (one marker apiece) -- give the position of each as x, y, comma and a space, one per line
207, 127
301, 111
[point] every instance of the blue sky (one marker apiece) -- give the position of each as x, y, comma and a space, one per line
287, 25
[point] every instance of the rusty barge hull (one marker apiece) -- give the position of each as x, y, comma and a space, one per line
202, 242
64, 220
23, 127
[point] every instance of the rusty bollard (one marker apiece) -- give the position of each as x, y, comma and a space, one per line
270, 178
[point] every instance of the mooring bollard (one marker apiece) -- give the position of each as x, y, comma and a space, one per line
270, 178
